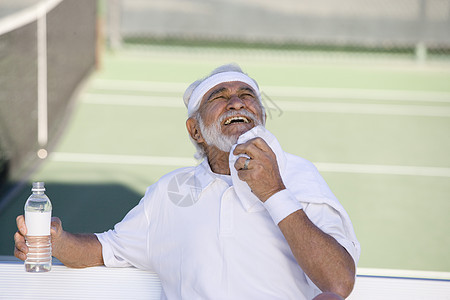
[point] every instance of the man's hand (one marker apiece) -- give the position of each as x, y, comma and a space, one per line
261, 172
21, 248
73, 250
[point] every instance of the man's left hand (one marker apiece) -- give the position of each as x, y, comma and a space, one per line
260, 171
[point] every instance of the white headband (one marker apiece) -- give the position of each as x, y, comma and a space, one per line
212, 81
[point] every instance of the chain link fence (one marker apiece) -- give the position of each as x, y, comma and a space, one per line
415, 29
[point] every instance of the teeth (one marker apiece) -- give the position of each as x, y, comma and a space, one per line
243, 119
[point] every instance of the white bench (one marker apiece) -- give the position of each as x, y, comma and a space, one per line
130, 283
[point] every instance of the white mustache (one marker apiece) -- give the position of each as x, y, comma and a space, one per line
244, 113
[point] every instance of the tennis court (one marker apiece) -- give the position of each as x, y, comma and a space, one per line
378, 134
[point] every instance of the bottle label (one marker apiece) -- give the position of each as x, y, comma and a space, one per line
38, 223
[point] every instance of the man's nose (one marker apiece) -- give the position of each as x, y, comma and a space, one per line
235, 103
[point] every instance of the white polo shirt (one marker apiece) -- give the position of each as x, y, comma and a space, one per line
205, 242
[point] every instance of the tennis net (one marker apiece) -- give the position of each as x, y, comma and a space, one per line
46, 50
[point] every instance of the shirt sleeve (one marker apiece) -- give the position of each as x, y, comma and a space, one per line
127, 244
330, 221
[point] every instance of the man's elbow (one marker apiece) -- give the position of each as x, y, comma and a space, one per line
344, 286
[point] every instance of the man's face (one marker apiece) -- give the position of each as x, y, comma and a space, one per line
233, 106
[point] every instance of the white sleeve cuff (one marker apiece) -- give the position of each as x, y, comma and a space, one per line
109, 259
281, 205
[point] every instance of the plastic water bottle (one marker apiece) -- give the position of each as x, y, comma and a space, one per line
38, 213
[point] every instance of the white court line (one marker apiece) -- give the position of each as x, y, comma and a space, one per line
186, 161
362, 94
285, 91
122, 159
297, 106
383, 169
141, 86
133, 100
404, 273
365, 108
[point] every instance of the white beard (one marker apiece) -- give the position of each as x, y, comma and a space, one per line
213, 135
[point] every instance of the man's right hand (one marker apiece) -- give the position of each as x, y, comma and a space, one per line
73, 250
21, 249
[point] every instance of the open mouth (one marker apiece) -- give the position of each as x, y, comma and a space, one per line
236, 120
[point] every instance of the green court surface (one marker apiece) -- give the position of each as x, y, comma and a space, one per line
378, 132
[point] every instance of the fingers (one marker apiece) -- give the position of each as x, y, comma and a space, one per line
21, 249
247, 161
20, 221
260, 144
252, 148
243, 163
259, 169
257, 150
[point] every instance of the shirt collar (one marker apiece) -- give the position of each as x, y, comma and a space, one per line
204, 177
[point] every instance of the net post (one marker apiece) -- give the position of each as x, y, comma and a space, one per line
421, 53
114, 26
42, 125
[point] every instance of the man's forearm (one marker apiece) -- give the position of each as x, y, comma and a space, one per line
320, 256
78, 250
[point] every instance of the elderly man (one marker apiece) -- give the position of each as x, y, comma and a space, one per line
250, 222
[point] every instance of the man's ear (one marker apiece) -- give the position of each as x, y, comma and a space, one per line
194, 130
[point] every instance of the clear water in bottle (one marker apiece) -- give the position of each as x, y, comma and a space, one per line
38, 213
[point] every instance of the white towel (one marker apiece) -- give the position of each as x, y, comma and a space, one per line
248, 199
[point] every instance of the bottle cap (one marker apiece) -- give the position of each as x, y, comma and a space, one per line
38, 187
